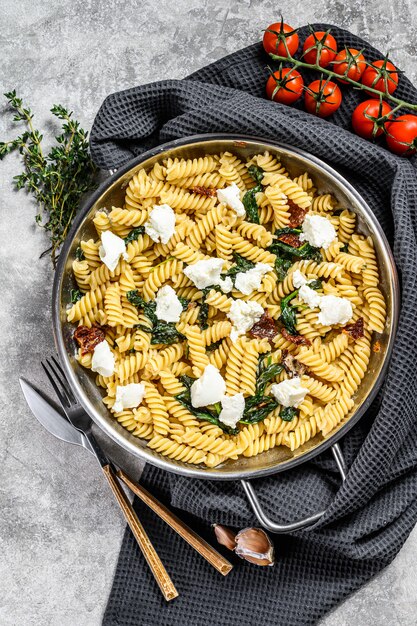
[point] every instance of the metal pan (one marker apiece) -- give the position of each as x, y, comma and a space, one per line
111, 193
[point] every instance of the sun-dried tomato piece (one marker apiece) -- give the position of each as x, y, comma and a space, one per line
89, 338
204, 191
290, 239
265, 327
297, 214
299, 340
376, 347
355, 330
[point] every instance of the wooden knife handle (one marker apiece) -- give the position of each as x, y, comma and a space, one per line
209, 553
157, 568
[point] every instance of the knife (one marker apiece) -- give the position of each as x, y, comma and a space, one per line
51, 417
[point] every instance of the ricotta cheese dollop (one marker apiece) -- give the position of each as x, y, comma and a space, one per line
103, 359
208, 389
298, 279
161, 223
111, 248
334, 310
249, 281
168, 305
232, 409
309, 296
243, 316
128, 396
205, 273
289, 392
318, 231
231, 196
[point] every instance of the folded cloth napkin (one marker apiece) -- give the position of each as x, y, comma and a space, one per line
368, 517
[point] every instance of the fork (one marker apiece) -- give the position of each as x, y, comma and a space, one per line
82, 422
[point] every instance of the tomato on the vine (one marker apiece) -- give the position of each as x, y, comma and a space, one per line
349, 62
322, 44
280, 37
285, 86
369, 119
381, 75
322, 98
402, 135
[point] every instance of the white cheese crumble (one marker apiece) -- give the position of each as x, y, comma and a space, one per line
309, 296
231, 196
289, 392
243, 316
205, 273
209, 388
128, 396
161, 223
232, 409
103, 359
111, 248
246, 282
225, 284
168, 305
298, 279
318, 231
334, 310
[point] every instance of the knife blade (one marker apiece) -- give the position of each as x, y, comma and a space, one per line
50, 417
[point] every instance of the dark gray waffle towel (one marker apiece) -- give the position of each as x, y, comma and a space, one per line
371, 515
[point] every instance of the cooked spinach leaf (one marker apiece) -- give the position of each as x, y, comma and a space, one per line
288, 316
241, 265
282, 264
162, 332
202, 413
288, 413
268, 373
257, 173
134, 234
250, 204
257, 407
305, 251
79, 254
214, 346
75, 295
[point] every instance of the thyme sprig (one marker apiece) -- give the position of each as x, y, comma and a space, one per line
57, 180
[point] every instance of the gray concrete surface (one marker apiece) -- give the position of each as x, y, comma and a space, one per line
60, 531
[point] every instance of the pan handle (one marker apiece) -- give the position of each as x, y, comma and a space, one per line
274, 527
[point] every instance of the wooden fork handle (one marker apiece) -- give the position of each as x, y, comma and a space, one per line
157, 568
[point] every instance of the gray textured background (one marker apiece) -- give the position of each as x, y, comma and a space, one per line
60, 530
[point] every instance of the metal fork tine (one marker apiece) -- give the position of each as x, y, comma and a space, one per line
60, 392
63, 380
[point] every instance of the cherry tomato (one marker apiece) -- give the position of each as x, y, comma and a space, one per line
322, 42
273, 40
366, 118
381, 75
402, 135
349, 62
322, 98
285, 86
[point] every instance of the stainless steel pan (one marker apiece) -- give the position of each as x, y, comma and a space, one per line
111, 193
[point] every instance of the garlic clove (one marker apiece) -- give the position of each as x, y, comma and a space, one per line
225, 536
254, 545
